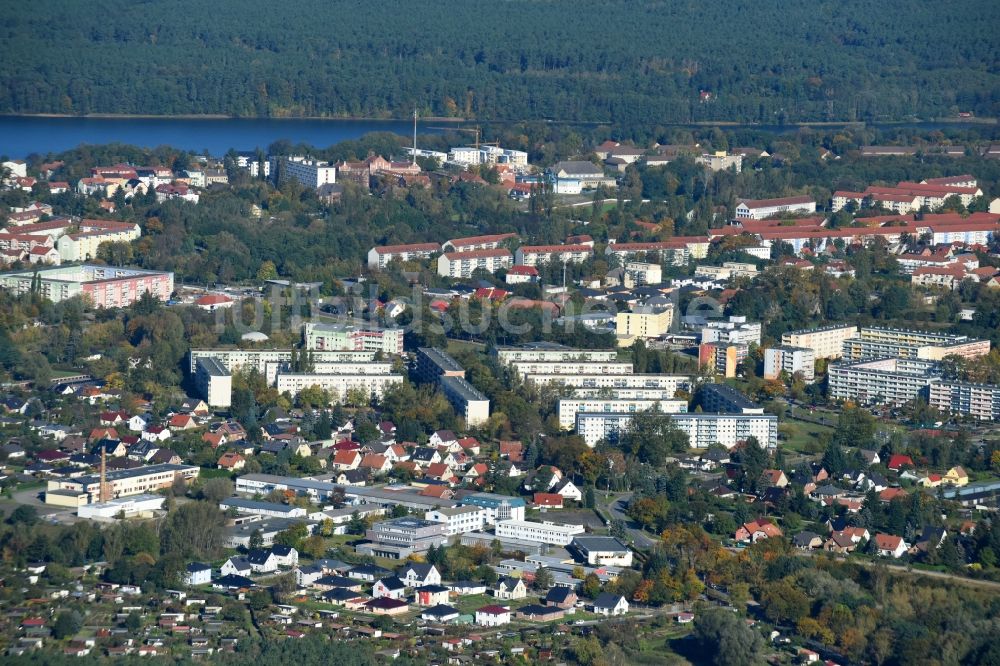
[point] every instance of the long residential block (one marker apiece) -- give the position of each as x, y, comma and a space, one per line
99, 286
464, 264
825, 342
568, 408
553, 354
338, 385
337, 337
524, 368
237, 359
669, 384
980, 401
702, 430
875, 342
890, 381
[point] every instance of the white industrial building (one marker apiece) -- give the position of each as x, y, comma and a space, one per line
125, 507
459, 519
759, 209
545, 532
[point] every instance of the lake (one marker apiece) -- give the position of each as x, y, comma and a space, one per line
20, 135
23, 135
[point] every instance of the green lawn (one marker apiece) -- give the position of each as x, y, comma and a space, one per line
803, 437
469, 604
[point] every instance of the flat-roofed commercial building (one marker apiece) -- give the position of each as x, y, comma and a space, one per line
214, 382
126, 482
569, 407
545, 532
319, 490
401, 537
789, 360
980, 401
825, 342
127, 507
497, 507
354, 338
886, 381
875, 343
251, 507
459, 519
602, 551
702, 430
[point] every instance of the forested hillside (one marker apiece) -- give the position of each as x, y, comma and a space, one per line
621, 61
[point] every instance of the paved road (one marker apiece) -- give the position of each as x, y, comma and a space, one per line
907, 571
615, 506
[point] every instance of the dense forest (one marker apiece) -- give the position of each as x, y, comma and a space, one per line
622, 61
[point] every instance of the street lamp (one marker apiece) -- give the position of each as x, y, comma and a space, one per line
611, 467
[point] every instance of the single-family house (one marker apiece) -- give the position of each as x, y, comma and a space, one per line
346, 460
431, 595
807, 540
492, 616
198, 574
231, 461
754, 531
441, 614
510, 588
610, 604
285, 556
262, 561
386, 606
561, 597
889, 545
236, 566
391, 587
568, 490
419, 574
